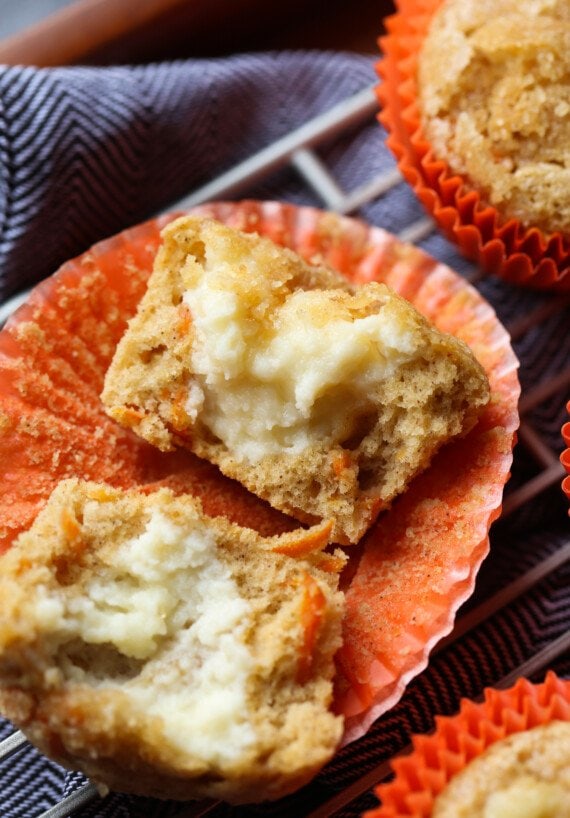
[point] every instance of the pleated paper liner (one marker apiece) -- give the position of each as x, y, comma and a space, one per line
415, 567
565, 456
504, 247
457, 740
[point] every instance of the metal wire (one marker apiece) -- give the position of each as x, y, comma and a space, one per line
12, 744
77, 799
540, 660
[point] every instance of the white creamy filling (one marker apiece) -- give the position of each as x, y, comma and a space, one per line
265, 387
168, 582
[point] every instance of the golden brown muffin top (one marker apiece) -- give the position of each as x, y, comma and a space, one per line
494, 86
526, 775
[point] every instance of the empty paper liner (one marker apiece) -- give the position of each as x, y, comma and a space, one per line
416, 566
424, 773
522, 255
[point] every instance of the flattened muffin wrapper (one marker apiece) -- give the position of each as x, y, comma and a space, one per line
415, 567
505, 248
457, 740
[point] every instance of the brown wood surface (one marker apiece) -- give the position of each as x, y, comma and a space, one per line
122, 31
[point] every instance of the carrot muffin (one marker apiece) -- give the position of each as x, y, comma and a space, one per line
494, 93
323, 398
526, 775
166, 653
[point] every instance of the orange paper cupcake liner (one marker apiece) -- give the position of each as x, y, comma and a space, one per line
565, 456
53, 357
457, 740
504, 247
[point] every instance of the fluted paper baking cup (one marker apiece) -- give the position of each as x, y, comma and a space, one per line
501, 246
53, 357
565, 456
423, 774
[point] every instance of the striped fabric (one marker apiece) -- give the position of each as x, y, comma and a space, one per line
85, 152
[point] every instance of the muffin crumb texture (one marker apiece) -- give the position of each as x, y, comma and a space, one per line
494, 91
323, 398
170, 654
526, 775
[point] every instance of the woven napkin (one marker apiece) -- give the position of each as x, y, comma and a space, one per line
86, 152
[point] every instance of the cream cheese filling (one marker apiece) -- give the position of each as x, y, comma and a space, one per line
264, 384
169, 601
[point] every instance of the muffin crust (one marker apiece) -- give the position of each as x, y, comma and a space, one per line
494, 92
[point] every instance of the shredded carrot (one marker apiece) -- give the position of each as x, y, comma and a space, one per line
314, 539
101, 494
64, 561
70, 526
129, 416
340, 463
180, 417
331, 563
185, 321
23, 566
312, 609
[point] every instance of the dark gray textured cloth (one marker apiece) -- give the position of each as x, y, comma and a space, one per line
86, 152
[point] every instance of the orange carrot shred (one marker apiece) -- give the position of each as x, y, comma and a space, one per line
101, 494
312, 609
24, 565
129, 416
314, 539
70, 526
340, 463
331, 563
185, 320
180, 417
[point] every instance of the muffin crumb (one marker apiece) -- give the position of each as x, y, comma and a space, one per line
170, 654
323, 398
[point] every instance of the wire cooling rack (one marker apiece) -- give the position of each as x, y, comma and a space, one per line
518, 621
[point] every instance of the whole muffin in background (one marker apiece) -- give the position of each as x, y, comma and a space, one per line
507, 756
526, 775
494, 93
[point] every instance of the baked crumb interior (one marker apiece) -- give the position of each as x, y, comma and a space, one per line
139, 635
323, 398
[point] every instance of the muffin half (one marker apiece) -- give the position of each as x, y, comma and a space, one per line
323, 398
170, 654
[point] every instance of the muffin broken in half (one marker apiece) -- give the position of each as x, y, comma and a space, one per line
323, 398
166, 653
